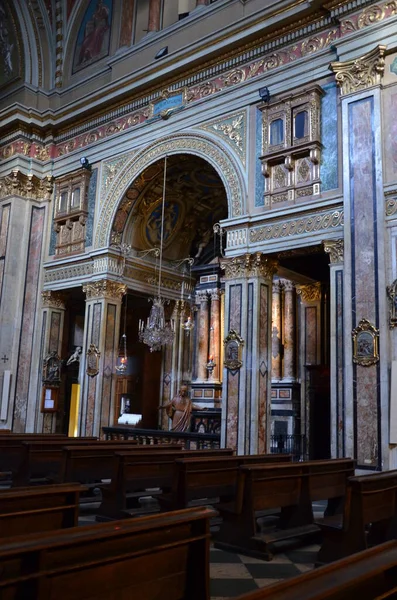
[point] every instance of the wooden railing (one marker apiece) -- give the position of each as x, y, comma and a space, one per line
190, 441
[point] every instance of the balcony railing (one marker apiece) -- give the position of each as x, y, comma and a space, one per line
289, 444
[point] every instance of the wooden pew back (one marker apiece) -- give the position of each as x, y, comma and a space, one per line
38, 508
11, 447
98, 461
204, 477
162, 556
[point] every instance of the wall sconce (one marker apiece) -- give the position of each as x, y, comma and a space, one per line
161, 53
85, 163
210, 366
264, 94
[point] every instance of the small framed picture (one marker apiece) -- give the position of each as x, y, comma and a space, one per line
233, 344
365, 344
49, 402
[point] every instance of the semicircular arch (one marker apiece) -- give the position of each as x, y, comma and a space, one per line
188, 143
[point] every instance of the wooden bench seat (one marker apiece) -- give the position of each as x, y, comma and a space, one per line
139, 471
368, 575
289, 487
370, 500
96, 462
38, 508
216, 477
161, 556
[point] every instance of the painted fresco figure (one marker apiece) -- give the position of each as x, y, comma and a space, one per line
95, 32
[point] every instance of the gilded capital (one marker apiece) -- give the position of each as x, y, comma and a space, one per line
249, 265
335, 250
51, 299
310, 292
355, 75
105, 288
17, 183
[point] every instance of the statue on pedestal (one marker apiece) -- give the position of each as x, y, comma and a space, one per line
179, 409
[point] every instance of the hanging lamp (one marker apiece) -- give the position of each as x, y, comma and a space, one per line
157, 332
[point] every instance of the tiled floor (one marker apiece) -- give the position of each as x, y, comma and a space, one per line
235, 574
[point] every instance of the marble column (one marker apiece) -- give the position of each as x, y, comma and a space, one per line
335, 250
101, 332
215, 333
53, 316
247, 390
276, 331
154, 15
203, 331
366, 386
289, 331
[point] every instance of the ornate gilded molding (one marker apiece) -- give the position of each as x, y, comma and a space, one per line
335, 249
105, 288
361, 73
68, 272
293, 227
233, 130
249, 265
310, 292
392, 296
26, 186
196, 144
110, 170
51, 299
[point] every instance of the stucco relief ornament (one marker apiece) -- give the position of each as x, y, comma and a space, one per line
233, 344
52, 369
93, 355
365, 344
335, 249
392, 296
361, 73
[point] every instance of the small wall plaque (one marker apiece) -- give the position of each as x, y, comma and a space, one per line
49, 401
365, 344
93, 356
233, 343
52, 369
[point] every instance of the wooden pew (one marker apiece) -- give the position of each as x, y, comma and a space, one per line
42, 459
368, 575
39, 508
11, 447
93, 463
290, 487
370, 499
215, 477
139, 471
161, 556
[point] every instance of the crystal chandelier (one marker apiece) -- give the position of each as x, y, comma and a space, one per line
157, 332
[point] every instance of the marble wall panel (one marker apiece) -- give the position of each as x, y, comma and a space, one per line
340, 392
233, 377
53, 345
389, 134
108, 365
259, 179
311, 335
95, 336
31, 295
364, 275
4, 223
89, 226
128, 10
248, 370
329, 138
263, 367
40, 371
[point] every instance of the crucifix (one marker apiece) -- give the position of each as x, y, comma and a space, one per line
4, 358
